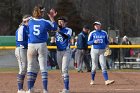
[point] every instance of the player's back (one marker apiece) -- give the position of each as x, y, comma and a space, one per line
38, 29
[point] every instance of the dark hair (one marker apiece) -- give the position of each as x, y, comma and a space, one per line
63, 18
37, 12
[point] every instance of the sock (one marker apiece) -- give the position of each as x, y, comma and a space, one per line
20, 81
105, 74
93, 75
66, 82
31, 79
45, 80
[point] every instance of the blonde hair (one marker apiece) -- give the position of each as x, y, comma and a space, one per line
25, 18
37, 12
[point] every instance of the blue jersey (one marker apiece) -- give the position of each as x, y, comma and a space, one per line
22, 36
102, 38
38, 29
63, 38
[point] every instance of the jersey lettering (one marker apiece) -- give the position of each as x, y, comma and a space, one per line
36, 30
100, 40
59, 38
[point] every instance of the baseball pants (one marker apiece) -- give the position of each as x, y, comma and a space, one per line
21, 55
63, 60
98, 54
37, 57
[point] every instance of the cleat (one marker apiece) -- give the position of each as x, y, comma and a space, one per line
92, 82
64, 91
45, 91
30, 91
21, 91
80, 71
108, 82
88, 70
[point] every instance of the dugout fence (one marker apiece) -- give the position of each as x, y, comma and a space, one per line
8, 59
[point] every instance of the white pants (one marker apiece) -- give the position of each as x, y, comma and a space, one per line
21, 55
63, 60
37, 57
98, 54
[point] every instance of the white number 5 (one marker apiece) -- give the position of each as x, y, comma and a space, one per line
36, 30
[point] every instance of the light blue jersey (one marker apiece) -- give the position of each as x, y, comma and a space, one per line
63, 38
22, 36
101, 36
38, 29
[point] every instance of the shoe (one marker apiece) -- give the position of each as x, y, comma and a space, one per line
92, 82
88, 70
80, 71
108, 82
45, 91
21, 91
30, 91
64, 91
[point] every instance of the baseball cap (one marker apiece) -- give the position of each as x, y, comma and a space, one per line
63, 18
97, 23
86, 27
125, 37
43, 9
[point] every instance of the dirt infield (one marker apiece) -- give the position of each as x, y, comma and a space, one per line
125, 82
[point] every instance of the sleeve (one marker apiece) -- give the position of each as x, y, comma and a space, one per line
20, 33
106, 39
68, 34
64, 35
90, 39
80, 40
53, 25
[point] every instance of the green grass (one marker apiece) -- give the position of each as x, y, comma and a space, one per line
8, 70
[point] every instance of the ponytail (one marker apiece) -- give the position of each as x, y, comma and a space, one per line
37, 12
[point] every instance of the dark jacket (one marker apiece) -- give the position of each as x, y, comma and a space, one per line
52, 44
82, 40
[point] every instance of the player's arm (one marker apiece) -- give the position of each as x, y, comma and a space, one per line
51, 15
106, 39
66, 35
80, 40
90, 39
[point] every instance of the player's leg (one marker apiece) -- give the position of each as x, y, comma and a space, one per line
87, 60
102, 60
42, 58
59, 58
21, 55
65, 67
80, 57
94, 58
33, 66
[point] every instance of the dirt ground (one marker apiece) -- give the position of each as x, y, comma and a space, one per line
125, 82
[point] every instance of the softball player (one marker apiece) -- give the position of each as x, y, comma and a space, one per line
21, 51
99, 41
37, 51
63, 50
